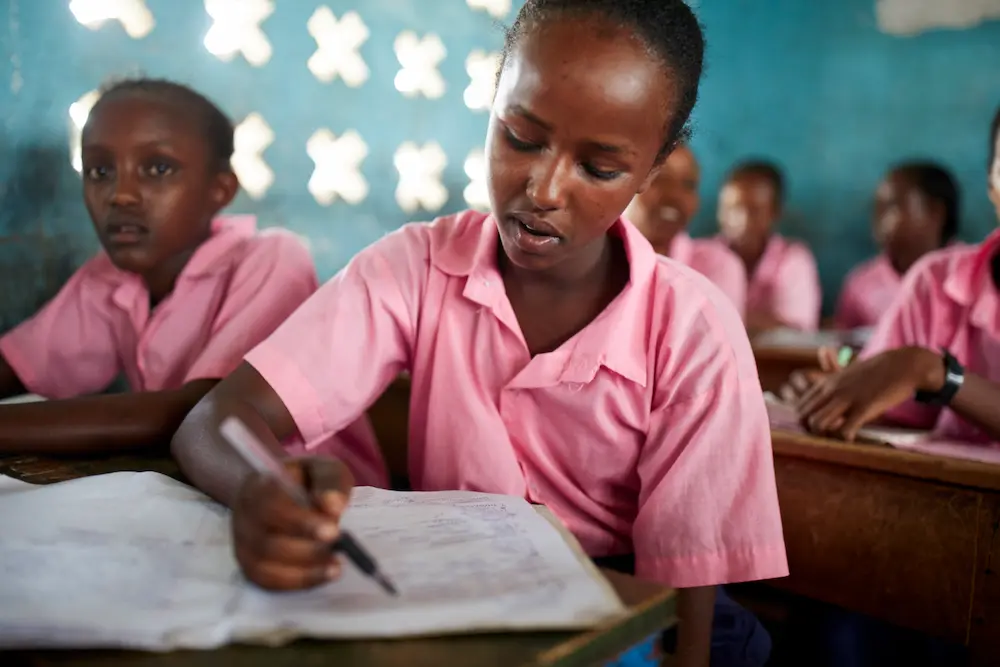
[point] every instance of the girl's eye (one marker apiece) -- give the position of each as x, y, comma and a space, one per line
160, 169
519, 144
95, 173
602, 174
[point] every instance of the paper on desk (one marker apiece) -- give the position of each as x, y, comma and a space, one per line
139, 560
23, 398
783, 416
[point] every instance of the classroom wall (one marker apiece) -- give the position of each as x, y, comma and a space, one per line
813, 84
818, 87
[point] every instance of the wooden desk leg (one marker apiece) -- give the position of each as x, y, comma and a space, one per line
984, 626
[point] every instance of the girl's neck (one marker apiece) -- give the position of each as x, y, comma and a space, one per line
161, 280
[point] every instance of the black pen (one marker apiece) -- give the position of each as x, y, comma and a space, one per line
258, 457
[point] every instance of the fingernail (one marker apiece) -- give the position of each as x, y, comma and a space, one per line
327, 532
332, 571
334, 503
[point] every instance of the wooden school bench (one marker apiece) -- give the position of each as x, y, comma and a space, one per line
651, 609
907, 538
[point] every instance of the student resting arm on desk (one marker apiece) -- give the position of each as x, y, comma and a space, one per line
175, 300
941, 338
552, 355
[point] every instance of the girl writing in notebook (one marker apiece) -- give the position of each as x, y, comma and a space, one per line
663, 212
174, 300
916, 211
783, 287
934, 359
553, 356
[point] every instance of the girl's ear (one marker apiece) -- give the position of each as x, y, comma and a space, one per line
650, 177
224, 190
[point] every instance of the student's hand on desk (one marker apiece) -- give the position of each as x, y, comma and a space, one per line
281, 545
800, 382
841, 403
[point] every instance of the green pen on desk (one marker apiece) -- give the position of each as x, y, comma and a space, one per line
844, 356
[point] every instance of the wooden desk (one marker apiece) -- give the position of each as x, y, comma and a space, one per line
776, 364
651, 610
908, 538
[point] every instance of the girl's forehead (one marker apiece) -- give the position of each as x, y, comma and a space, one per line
140, 114
587, 76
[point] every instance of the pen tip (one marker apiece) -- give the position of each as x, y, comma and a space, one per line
387, 585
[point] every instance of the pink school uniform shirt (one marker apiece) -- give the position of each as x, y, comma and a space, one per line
786, 284
714, 261
947, 300
645, 433
234, 291
867, 293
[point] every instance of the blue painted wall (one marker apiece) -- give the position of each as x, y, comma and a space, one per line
812, 84
816, 86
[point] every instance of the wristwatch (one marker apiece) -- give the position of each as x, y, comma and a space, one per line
954, 377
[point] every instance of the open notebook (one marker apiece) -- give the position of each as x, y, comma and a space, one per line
783, 417
138, 560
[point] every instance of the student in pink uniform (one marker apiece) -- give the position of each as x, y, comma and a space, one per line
663, 212
552, 355
934, 359
176, 298
783, 284
916, 211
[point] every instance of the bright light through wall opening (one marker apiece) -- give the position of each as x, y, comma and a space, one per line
79, 111
339, 44
133, 15
476, 194
495, 8
419, 59
482, 70
253, 136
338, 167
236, 28
420, 169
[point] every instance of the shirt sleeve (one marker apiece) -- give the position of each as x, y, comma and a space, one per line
708, 506
730, 276
68, 348
800, 297
847, 316
336, 354
909, 321
274, 277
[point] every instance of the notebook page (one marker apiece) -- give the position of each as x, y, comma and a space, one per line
131, 560
462, 561
138, 560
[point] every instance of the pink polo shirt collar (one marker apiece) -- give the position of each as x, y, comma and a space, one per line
615, 340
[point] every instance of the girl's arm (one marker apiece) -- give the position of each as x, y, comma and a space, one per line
10, 384
95, 424
844, 402
695, 609
977, 402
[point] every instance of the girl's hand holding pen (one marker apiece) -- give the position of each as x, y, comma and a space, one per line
281, 544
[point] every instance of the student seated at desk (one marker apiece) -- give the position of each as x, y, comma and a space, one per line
916, 211
783, 288
934, 359
176, 298
663, 212
552, 355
